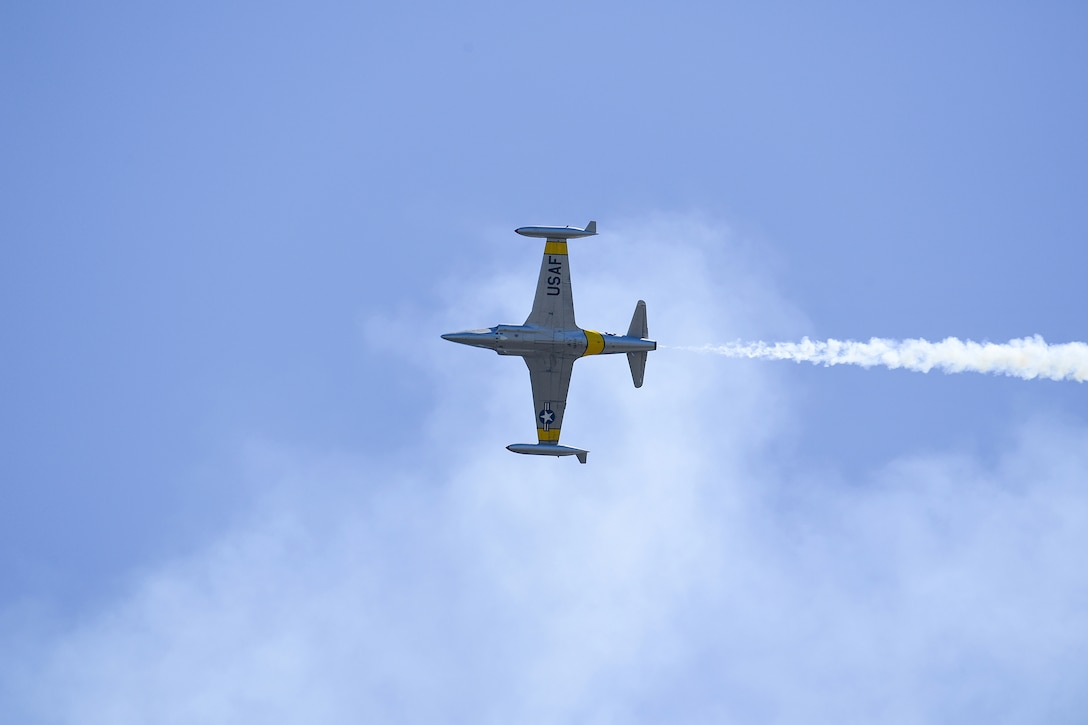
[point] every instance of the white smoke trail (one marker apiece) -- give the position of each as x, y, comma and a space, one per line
1027, 358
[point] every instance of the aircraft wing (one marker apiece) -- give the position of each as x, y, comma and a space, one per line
553, 305
550, 376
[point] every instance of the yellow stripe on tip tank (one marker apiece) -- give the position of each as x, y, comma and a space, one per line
594, 342
555, 247
547, 435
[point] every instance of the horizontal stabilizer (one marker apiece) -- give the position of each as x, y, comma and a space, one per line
548, 449
638, 326
637, 361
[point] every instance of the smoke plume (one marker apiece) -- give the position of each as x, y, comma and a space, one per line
1027, 358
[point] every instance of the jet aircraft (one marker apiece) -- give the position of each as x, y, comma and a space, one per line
550, 341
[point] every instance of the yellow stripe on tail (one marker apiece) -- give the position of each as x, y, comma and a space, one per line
594, 342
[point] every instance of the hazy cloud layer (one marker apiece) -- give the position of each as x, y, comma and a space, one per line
683, 574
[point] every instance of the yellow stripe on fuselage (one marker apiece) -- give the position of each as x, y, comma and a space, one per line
594, 342
556, 246
547, 436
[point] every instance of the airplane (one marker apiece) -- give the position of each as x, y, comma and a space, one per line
550, 341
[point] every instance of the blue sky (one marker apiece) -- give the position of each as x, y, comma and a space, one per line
244, 479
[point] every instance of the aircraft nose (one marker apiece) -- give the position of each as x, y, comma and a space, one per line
476, 338
465, 338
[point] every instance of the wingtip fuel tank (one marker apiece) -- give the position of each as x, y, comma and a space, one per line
548, 449
558, 232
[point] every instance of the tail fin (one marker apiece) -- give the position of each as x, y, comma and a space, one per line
591, 227
638, 322
637, 361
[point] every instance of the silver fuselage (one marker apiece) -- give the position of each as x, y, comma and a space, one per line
525, 340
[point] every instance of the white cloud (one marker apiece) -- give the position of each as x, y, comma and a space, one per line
680, 575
